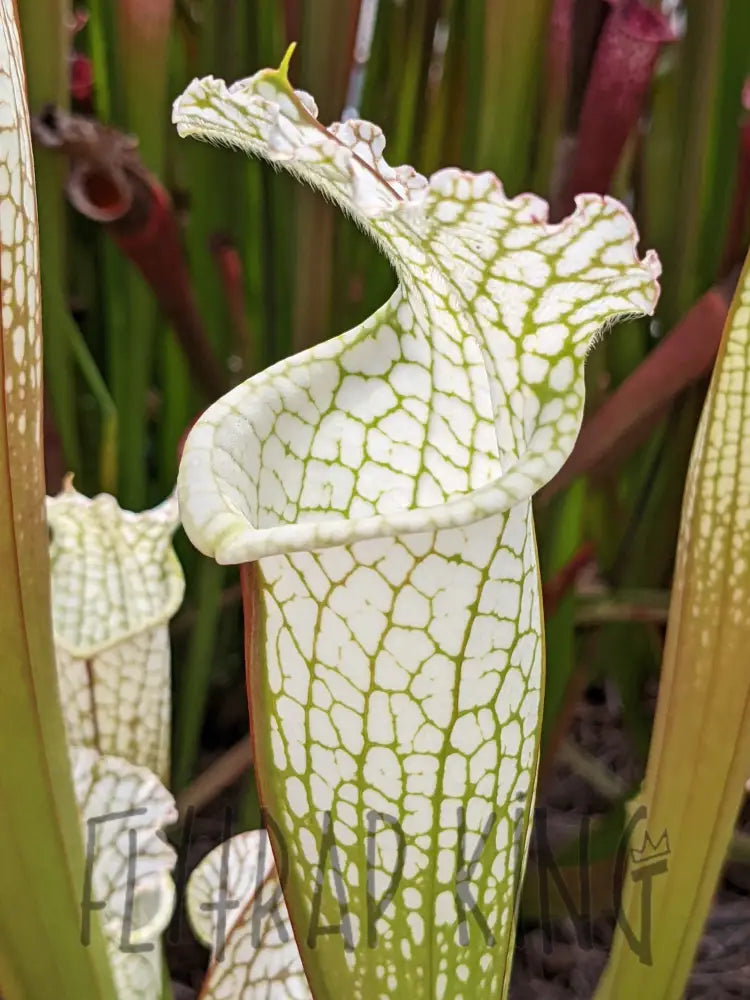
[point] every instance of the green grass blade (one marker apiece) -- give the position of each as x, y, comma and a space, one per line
45, 52
514, 37
195, 674
563, 538
324, 65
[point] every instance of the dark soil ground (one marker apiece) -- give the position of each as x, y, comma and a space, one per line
564, 959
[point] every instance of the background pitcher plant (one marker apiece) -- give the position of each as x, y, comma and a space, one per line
254, 954
128, 886
116, 582
383, 481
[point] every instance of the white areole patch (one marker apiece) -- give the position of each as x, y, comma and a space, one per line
397, 683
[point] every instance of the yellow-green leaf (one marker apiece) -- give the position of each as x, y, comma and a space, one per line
700, 749
42, 867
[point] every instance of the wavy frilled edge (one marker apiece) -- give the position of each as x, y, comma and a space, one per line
355, 148
117, 800
124, 809
425, 227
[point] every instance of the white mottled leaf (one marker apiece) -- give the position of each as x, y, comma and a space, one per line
384, 481
236, 908
124, 809
116, 582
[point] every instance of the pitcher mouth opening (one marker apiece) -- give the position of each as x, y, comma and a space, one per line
352, 442
233, 538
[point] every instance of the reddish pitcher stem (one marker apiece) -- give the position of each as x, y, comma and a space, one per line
109, 184
628, 47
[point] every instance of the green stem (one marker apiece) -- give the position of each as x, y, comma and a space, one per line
45, 52
195, 677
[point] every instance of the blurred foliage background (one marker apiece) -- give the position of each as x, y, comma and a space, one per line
173, 270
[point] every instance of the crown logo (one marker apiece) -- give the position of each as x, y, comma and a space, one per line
650, 851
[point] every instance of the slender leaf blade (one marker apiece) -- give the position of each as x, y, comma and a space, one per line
41, 877
700, 749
